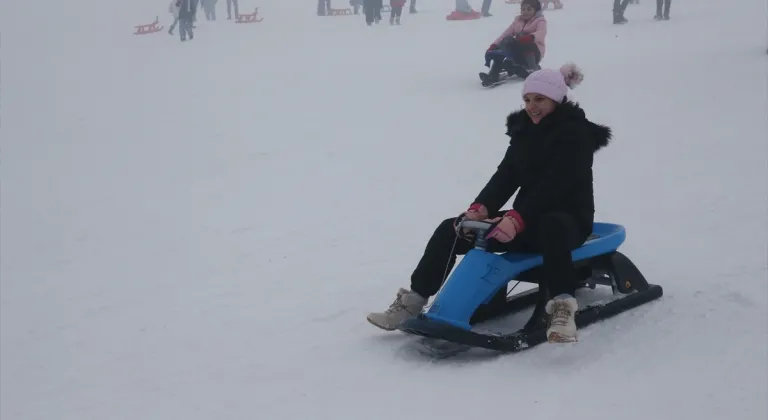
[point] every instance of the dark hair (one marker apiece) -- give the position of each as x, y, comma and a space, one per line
536, 4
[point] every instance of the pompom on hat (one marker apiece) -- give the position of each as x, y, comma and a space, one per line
552, 83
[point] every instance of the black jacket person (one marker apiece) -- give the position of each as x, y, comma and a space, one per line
548, 163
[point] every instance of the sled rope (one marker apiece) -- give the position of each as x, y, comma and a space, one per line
445, 273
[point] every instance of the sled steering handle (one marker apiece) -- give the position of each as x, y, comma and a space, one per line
476, 225
480, 228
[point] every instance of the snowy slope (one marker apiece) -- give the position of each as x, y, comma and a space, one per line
197, 231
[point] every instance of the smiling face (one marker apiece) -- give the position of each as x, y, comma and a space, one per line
527, 11
538, 106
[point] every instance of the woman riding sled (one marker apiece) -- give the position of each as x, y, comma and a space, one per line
549, 164
520, 48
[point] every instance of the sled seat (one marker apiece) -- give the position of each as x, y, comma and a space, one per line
605, 238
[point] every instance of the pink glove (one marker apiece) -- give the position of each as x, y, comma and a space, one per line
476, 212
507, 227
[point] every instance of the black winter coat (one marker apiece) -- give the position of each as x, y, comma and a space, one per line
551, 165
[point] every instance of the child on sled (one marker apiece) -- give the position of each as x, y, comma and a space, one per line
520, 48
549, 165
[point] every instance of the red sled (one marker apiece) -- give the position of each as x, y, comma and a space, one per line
456, 15
339, 12
249, 18
148, 28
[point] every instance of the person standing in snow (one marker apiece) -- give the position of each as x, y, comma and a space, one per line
356, 4
485, 8
372, 11
209, 7
521, 46
230, 4
186, 19
619, 6
549, 165
174, 10
396, 11
323, 7
662, 4
413, 7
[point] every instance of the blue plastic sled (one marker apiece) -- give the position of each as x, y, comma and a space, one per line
476, 291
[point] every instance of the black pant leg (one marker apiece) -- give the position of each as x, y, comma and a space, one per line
556, 236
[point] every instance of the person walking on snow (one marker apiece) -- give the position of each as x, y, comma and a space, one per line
396, 11
186, 19
520, 48
549, 165
233, 3
209, 7
665, 4
485, 8
372, 11
174, 10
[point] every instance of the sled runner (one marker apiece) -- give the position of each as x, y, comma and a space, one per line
477, 291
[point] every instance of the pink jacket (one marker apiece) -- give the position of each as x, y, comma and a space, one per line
537, 27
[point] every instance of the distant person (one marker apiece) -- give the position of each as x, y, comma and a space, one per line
174, 10
323, 7
619, 6
396, 11
194, 11
520, 48
209, 7
233, 3
186, 18
665, 4
356, 5
413, 6
485, 8
372, 11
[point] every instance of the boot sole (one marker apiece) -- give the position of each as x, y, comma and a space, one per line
555, 337
380, 326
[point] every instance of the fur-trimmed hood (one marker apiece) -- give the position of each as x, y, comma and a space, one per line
564, 117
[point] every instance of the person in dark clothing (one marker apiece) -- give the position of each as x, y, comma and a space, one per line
323, 7
485, 8
665, 5
186, 19
396, 11
372, 11
619, 6
413, 7
549, 165
230, 5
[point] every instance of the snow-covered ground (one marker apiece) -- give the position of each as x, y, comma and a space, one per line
197, 231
